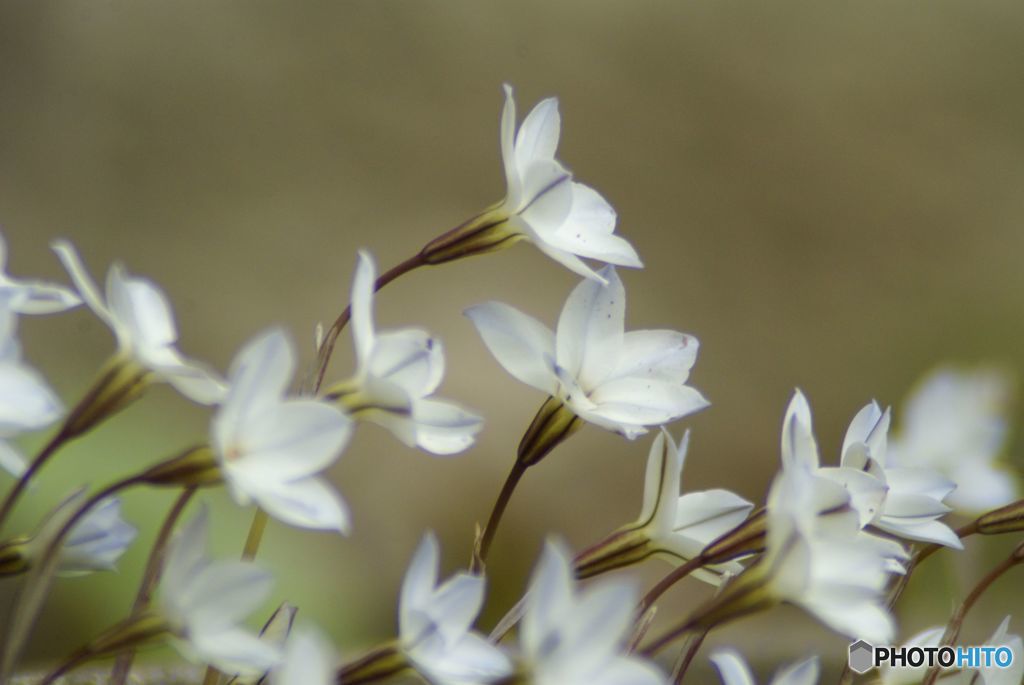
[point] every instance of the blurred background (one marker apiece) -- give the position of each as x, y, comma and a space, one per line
827, 195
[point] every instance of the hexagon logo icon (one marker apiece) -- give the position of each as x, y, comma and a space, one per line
862, 657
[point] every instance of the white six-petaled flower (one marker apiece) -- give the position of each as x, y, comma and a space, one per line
903, 501
271, 447
435, 624
566, 220
396, 373
31, 296
579, 638
26, 401
140, 316
734, 670
956, 422
204, 603
620, 381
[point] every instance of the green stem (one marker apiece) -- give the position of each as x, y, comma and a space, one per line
150, 579
487, 537
256, 529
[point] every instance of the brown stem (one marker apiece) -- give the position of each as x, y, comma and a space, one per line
956, 622
669, 580
331, 338
686, 658
150, 578
500, 504
48, 450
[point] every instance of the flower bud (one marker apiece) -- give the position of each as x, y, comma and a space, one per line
553, 423
486, 232
121, 381
620, 549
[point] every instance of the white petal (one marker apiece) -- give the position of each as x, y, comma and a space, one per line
798, 443
591, 329
141, 309
920, 481
30, 296
444, 428
306, 503
587, 230
362, 306
409, 358
234, 650
547, 200
661, 480
805, 672
470, 661
867, 493
11, 460
224, 593
455, 605
871, 427
704, 516
926, 531
83, 281
982, 487
186, 556
520, 343
259, 375
537, 138
563, 257
308, 660
645, 402
508, 153
418, 587
549, 598
26, 401
666, 355
732, 668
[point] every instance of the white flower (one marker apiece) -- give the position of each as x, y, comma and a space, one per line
566, 220
32, 297
956, 423
308, 660
1014, 675
397, 372
95, 543
204, 603
817, 557
906, 502
734, 670
571, 638
435, 624
675, 527
270, 447
986, 675
907, 675
620, 381
26, 402
139, 315
681, 526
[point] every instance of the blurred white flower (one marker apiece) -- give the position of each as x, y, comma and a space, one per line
906, 502
908, 675
579, 638
674, 527
97, 542
308, 660
204, 603
271, 448
26, 401
139, 315
566, 220
956, 422
1014, 675
620, 381
397, 372
435, 624
817, 557
734, 670
32, 297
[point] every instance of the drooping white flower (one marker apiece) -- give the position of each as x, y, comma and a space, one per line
620, 381
734, 670
906, 502
672, 526
139, 315
97, 541
397, 372
271, 447
435, 624
566, 220
308, 660
578, 638
818, 557
31, 296
956, 422
204, 603
26, 401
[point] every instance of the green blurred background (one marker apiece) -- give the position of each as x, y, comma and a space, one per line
828, 195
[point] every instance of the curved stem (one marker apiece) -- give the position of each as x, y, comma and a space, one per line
48, 450
483, 545
668, 581
956, 622
74, 661
331, 338
686, 658
150, 578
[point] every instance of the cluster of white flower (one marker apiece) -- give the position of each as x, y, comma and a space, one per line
838, 541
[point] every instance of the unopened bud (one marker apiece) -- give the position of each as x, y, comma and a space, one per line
553, 424
620, 549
